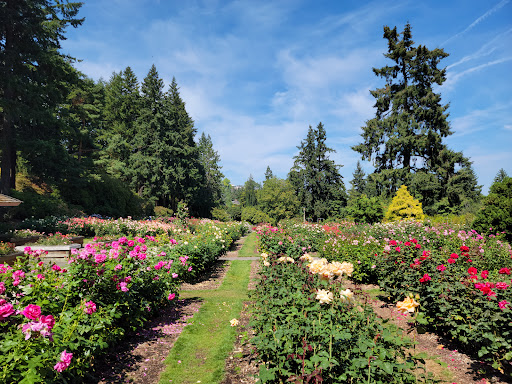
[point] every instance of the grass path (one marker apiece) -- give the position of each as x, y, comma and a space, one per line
199, 354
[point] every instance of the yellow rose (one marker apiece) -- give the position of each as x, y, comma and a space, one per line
408, 305
324, 296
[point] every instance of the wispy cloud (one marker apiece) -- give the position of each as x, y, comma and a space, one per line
453, 78
499, 42
501, 4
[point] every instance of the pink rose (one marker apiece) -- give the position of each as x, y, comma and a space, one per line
441, 268
171, 296
32, 312
65, 361
2, 287
48, 320
90, 307
55, 267
6, 310
124, 287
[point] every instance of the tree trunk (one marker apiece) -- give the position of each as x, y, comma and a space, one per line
8, 146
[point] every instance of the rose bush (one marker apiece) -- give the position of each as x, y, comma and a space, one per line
309, 329
55, 321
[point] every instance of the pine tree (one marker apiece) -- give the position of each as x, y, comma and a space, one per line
34, 80
316, 178
406, 134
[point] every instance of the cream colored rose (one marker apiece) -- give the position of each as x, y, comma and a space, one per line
347, 296
347, 268
264, 256
234, 322
266, 263
408, 305
306, 257
324, 296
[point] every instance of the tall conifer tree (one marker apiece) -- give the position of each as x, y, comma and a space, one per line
34, 79
410, 123
316, 178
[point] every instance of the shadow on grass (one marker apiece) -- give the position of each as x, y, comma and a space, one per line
121, 362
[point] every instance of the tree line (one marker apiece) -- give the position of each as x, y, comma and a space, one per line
404, 142
122, 146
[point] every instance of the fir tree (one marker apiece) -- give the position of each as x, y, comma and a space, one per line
358, 182
316, 178
410, 123
184, 175
500, 176
34, 79
147, 162
209, 160
117, 138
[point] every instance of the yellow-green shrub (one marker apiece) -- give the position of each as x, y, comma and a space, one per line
404, 207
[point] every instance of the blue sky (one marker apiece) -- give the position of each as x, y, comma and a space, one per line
256, 74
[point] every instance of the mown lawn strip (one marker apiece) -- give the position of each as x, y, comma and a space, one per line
199, 353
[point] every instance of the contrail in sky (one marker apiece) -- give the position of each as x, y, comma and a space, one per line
501, 4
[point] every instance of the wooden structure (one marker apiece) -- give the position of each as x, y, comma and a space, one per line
7, 201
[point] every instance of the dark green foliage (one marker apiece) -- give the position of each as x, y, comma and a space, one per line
37, 205
249, 197
268, 173
500, 176
121, 111
404, 139
496, 213
102, 194
235, 211
315, 177
211, 191
365, 209
358, 182
34, 80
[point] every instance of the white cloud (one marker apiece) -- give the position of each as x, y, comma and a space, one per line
498, 43
501, 4
453, 78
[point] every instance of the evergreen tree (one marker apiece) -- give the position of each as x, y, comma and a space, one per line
249, 197
209, 159
147, 161
358, 182
496, 213
184, 175
500, 176
34, 80
117, 138
316, 178
268, 173
406, 134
